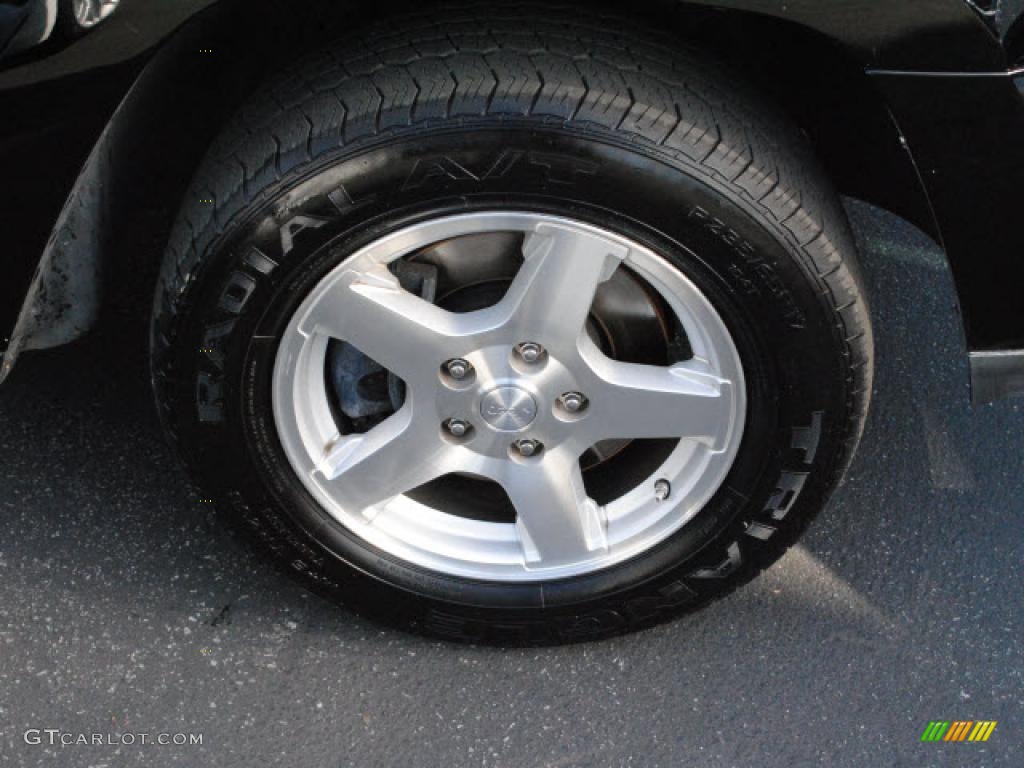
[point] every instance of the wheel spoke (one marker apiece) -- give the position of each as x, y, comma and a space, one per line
556, 521
550, 298
399, 330
364, 471
645, 401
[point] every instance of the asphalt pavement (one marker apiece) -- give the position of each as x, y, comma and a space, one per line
125, 610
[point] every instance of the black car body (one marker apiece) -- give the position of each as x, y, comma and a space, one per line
918, 107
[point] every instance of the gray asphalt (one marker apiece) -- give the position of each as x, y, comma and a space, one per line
124, 609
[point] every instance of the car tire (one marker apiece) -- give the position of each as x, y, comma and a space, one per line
527, 118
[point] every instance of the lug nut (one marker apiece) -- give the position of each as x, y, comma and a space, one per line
530, 351
527, 448
573, 402
457, 427
458, 368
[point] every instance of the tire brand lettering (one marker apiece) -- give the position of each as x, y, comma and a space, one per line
291, 228
272, 531
562, 170
764, 280
446, 168
343, 201
555, 168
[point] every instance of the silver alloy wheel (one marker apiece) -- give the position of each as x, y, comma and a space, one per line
89, 13
362, 479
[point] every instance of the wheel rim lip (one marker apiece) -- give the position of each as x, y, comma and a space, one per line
424, 537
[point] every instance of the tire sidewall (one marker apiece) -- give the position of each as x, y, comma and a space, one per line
748, 265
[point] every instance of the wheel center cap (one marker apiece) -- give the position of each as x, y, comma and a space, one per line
509, 409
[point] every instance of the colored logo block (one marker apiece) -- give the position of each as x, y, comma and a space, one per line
958, 730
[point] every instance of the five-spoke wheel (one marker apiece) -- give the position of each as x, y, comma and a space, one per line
514, 393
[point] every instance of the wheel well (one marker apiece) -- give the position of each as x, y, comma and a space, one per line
826, 92
158, 137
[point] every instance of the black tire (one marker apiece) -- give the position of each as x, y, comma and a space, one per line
529, 107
